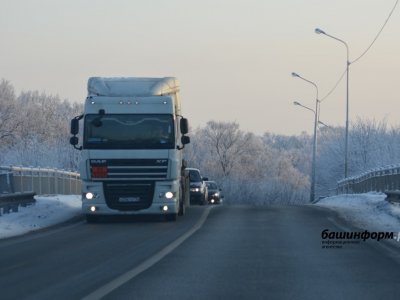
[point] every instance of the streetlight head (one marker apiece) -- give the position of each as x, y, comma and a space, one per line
296, 103
319, 31
295, 74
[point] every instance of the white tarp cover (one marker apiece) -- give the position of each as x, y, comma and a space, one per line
131, 86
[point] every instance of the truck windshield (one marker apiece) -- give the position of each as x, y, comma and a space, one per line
123, 131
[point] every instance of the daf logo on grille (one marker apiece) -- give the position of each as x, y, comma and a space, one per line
161, 161
98, 161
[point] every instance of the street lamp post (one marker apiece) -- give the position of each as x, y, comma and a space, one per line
313, 172
346, 145
316, 119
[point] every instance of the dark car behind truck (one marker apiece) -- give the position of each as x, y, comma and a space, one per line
198, 187
214, 193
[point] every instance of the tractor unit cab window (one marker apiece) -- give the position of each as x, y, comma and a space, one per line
123, 131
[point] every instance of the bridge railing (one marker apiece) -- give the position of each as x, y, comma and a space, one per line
376, 180
42, 181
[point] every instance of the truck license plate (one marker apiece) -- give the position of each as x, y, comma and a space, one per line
129, 199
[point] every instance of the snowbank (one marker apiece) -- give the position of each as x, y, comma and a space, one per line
367, 211
45, 212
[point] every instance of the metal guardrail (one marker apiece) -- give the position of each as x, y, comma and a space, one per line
43, 181
393, 196
376, 180
11, 202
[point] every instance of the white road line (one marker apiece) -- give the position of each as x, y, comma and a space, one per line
117, 282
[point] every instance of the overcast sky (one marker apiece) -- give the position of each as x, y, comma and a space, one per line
234, 58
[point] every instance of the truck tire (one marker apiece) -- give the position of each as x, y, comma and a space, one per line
182, 205
171, 217
92, 219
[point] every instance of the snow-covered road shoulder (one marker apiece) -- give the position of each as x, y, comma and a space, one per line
368, 211
47, 211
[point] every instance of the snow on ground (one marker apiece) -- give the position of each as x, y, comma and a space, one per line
368, 211
47, 211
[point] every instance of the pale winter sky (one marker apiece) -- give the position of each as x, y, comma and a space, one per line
234, 58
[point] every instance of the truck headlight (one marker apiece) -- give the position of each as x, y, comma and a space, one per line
168, 195
89, 196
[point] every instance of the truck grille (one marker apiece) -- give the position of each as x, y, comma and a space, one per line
129, 169
130, 195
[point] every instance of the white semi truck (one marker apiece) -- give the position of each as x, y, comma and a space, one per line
131, 144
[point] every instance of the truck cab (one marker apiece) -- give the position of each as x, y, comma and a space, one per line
131, 145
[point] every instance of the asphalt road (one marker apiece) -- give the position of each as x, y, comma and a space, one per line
238, 252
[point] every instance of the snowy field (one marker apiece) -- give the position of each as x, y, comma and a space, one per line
366, 211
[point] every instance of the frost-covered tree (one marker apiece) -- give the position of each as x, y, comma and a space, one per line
371, 144
227, 143
36, 126
249, 169
9, 121
330, 159
368, 138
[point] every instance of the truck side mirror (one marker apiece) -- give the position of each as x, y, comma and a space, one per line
74, 126
74, 140
185, 140
184, 125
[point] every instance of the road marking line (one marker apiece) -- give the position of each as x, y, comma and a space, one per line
116, 283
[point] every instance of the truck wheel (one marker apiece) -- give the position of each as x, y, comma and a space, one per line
182, 205
171, 217
92, 219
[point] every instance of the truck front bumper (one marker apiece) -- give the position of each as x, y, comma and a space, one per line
94, 201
